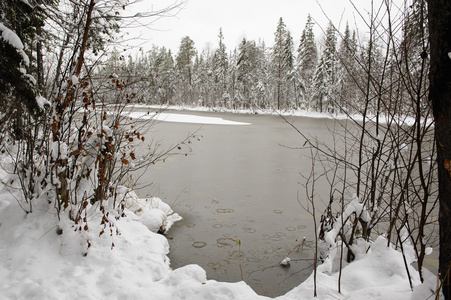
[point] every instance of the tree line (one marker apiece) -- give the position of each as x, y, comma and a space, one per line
315, 76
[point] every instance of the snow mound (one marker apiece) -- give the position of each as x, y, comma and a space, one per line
42, 257
380, 274
155, 214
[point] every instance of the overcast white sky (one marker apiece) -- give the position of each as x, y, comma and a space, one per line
252, 19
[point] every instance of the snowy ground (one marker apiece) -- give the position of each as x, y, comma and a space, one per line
181, 118
42, 257
298, 113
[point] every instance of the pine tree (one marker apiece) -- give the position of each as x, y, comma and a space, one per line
278, 53
184, 65
415, 33
319, 85
282, 63
307, 61
325, 79
185, 57
221, 64
203, 80
233, 82
290, 82
166, 71
18, 23
244, 71
348, 70
261, 92
371, 70
414, 50
250, 74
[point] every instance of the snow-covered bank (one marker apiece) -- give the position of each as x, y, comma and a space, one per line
383, 119
179, 118
42, 257
380, 274
298, 113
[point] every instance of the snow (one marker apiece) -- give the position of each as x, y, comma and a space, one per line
383, 119
156, 215
10, 37
75, 80
45, 257
31, 79
42, 102
27, 3
286, 262
182, 118
36, 262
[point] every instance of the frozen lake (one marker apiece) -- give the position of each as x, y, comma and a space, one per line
239, 183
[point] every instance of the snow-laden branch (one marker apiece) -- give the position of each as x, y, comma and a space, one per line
329, 248
13, 39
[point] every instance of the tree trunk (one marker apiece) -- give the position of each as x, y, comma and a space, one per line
40, 64
439, 14
85, 38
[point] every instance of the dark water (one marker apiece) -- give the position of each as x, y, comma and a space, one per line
238, 192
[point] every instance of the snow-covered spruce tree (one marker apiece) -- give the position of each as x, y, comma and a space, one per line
233, 81
372, 66
262, 93
153, 72
250, 75
307, 59
325, 78
291, 84
114, 63
166, 71
18, 25
245, 65
413, 34
137, 71
184, 65
282, 64
203, 80
347, 74
220, 69
22, 113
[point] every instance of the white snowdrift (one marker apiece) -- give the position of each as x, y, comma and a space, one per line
156, 215
378, 275
181, 118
